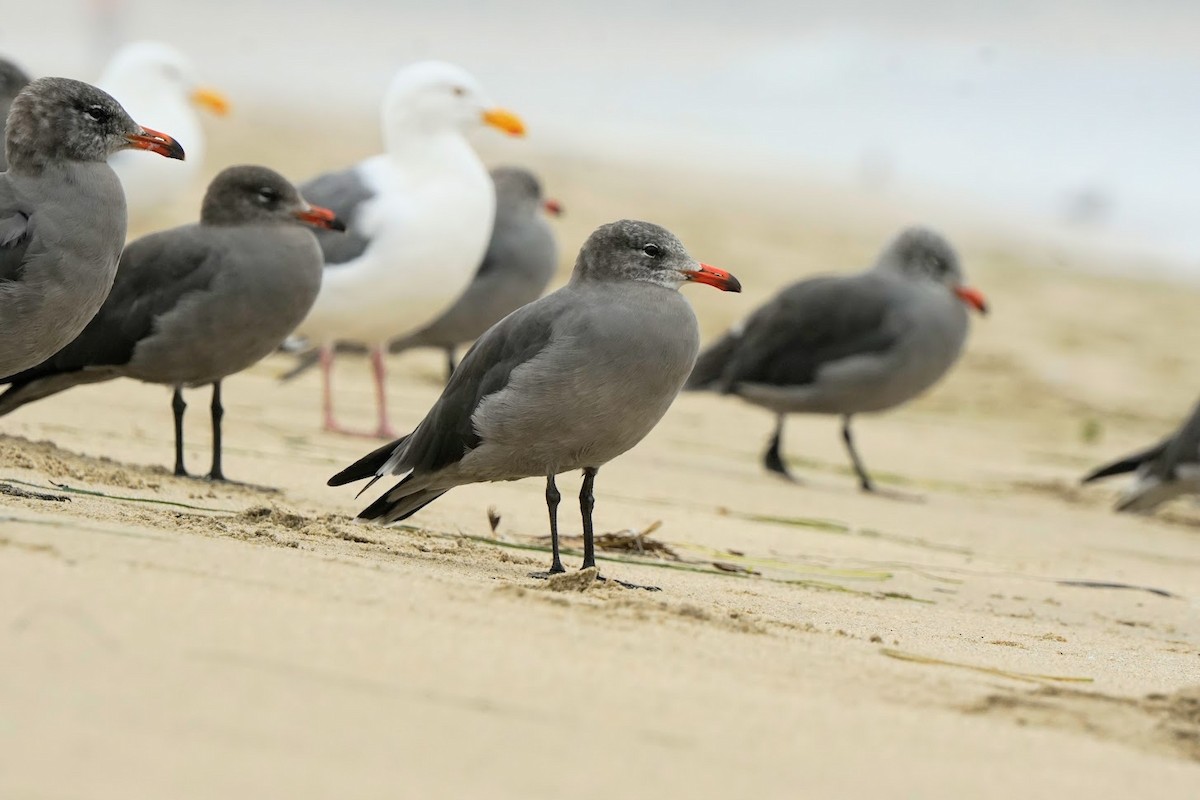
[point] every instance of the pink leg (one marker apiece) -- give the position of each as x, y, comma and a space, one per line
384, 430
330, 423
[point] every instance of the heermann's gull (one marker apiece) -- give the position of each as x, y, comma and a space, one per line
570, 381
848, 345
158, 84
419, 216
519, 263
62, 214
195, 304
1164, 471
12, 80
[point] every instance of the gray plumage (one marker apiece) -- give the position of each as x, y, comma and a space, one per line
848, 344
195, 304
519, 263
342, 192
62, 214
569, 381
1163, 472
12, 80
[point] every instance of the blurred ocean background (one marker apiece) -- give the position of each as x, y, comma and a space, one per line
1072, 122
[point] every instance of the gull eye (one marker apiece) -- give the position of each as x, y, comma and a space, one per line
96, 113
267, 195
459, 91
652, 250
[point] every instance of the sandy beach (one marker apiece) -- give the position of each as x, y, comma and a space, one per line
995, 632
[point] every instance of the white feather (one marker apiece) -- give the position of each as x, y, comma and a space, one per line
429, 219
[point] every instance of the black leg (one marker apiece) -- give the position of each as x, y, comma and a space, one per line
552, 498
218, 411
451, 362
773, 459
587, 501
178, 406
864, 479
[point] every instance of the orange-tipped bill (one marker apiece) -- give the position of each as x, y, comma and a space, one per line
506, 121
321, 218
156, 142
714, 277
553, 207
972, 297
212, 100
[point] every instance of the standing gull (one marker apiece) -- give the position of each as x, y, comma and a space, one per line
195, 304
519, 263
1163, 472
12, 80
158, 84
62, 214
848, 345
419, 217
570, 381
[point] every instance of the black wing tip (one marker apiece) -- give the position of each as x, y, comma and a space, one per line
1115, 468
368, 466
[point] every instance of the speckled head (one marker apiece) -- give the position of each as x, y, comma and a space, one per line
63, 120
518, 193
922, 254
630, 250
253, 195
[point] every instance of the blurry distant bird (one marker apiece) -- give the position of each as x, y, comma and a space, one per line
570, 381
520, 261
851, 344
159, 85
62, 213
195, 304
1164, 471
419, 217
12, 80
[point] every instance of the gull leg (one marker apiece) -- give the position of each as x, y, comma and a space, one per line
451, 363
178, 406
552, 498
329, 424
773, 458
218, 411
864, 479
587, 502
384, 429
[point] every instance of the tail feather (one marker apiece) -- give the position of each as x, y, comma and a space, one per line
368, 466
1127, 464
709, 372
401, 502
18, 394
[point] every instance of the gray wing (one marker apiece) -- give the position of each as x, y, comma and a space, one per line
447, 433
14, 232
810, 324
155, 272
343, 193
